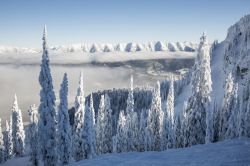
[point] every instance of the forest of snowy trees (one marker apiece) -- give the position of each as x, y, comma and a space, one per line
56, 138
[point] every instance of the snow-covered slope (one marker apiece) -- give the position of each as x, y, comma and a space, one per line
229, 153
231, 55
120, 47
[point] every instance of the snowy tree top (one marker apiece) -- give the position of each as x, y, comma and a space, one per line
204, 37
15, 104
131, 82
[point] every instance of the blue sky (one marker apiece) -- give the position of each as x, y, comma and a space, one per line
112, 21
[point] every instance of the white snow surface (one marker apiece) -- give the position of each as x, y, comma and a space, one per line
234, 152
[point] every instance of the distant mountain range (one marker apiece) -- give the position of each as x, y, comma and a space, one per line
120, 47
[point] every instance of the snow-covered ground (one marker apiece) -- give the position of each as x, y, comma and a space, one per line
227, 153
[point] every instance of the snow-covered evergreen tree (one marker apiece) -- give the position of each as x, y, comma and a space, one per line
170, 115
154, 120
33, 135
227, 106
121, 136
198, 126
165, 131
114, 143
184, 125
241, 119
18, 134
167, 128
100, 126
232, 127
47, 122
64, 128
88, 133
216, 122
130, 100
92, 110
107, 126
8, 144
129, 117
2, 149
178, 138
170, 103
143, 131
246, 114
79, 122
135, 132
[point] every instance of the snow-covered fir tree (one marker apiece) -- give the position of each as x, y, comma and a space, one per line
167, 128
198, 127
33, 135
246, 116
18, 134
178, 138
47, 122
130, 100
170, 102
93, 115
154, 120
184, 124
164, 130
88, 133
241, 123
143, 131
2, 149
79, 122
64, 128
8, 144
129, 116
216, 122
227, 106
114, 143
100, 126
121, 136
232, 127
107, 126
170, 115
92, 110
135, 132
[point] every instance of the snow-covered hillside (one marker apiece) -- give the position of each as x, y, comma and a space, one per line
120, 47
230, 153
229, 56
